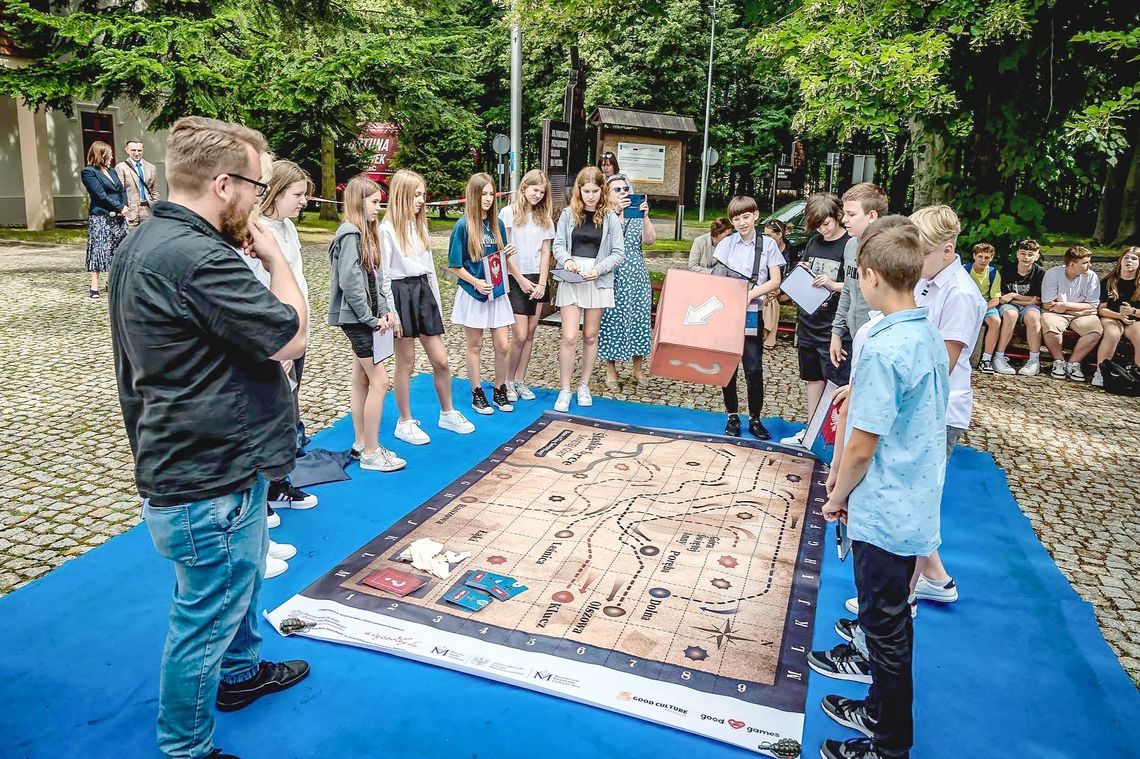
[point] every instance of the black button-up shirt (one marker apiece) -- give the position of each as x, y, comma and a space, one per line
205, 408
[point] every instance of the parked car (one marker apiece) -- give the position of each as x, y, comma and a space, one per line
792, 216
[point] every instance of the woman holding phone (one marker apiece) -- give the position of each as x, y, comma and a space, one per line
626, 332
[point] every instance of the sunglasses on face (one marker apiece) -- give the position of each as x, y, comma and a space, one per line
607, 156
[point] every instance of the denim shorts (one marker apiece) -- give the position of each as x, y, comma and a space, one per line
1021, 310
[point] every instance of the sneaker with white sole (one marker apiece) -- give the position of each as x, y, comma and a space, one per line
501, 398
845, 628
852, 605
381, 460
1098, 378
409, 431
272, 519
844, 662
1075, 373
796, 440
853, 748
1060, 369
456, 422
274, 567
584, 397
943, 591
479, 402
1001, 366
524, 392
284, 495
849, 712
985, 366
563, 402
512, 394
1031, 368
282, 551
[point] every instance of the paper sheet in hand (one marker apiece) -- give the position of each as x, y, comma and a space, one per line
567, 276
798, 286
383, 345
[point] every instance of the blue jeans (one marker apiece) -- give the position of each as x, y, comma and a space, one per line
218, 548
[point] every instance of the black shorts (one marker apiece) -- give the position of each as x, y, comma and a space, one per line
523, 304
416, 306
816, 366
360, 337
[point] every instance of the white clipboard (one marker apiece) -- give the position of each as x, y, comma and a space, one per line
383, 345
819, 418
798, 286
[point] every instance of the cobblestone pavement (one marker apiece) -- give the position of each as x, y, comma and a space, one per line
66, 474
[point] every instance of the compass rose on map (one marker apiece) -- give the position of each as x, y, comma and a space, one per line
724, 635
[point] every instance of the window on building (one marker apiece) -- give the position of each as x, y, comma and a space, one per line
97, 126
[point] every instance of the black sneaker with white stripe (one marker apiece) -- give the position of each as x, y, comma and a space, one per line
844, 662
849, 712
284, 495
845, 628
856, 748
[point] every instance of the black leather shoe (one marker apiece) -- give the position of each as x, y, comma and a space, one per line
757, 428
270, 678
732, 428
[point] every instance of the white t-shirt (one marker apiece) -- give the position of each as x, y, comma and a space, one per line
874, 317
739, 255
1085, 288
528, 239
956, 309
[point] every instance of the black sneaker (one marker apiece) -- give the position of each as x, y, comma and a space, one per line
845, 628
92, 293
284, 495
849, 712
270, 678
856, 748
500, 398
479, 402
218, 754
732, 428
986, 366
844, 662
757, 428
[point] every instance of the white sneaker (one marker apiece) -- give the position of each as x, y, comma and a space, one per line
798, 441
929, 590
1031, 369
1001, 366
584, 397
512, 394
523, 392
456, 422
273, 520
563, 402
274, 567
409, 431
1060, 369
282, 551
852, 605
382, 460
1098, 378
1075, 373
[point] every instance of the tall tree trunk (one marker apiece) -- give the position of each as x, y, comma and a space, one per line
1129, 231
931, 158
1108, 207
328, 178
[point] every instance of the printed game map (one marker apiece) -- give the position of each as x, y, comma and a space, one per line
671, 576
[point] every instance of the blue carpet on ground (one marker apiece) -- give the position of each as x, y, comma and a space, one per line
1017, 668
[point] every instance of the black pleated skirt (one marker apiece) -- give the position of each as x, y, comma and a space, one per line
417, 307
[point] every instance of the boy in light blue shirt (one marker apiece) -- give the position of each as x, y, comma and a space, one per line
889, 485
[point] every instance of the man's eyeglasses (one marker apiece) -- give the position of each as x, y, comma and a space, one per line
260, 187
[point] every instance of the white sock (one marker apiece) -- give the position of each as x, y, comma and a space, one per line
999, 354
987, 356
1035, 356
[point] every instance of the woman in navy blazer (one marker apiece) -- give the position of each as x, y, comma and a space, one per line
107, 210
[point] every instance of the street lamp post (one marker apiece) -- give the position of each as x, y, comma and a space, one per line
516, 104
708, 104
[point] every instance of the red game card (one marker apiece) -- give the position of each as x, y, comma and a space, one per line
393, 581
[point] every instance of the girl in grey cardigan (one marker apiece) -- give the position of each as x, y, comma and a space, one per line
588, 246
357, 306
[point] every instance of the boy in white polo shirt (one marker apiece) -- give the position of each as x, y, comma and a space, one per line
1070, 297
955, 308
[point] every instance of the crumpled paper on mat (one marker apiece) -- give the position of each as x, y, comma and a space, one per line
427, 555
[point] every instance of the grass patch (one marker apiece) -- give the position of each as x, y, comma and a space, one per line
1055, 244
58, 236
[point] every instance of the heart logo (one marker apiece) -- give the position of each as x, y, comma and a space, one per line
735, 724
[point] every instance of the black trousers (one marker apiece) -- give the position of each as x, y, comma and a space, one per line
753, 360
298, 367
882, 580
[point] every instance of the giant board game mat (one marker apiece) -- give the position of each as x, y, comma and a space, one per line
671, 576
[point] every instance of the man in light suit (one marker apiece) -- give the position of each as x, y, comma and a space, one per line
141, 180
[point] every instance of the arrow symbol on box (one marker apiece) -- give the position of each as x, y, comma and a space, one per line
700, 315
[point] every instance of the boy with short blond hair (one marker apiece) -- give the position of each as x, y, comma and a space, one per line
862, 204
988, 279
1021, 302
1070, 297
889, 485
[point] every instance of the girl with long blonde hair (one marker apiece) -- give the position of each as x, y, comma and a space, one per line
531, 229
588, 245
411, 290
477, 256
357, 306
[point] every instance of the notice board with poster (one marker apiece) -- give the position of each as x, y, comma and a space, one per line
642, 162
555, 160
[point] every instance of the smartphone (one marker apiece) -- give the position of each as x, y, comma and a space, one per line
633, 210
